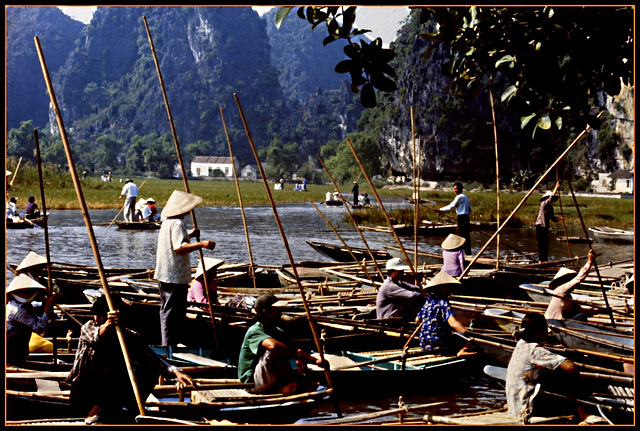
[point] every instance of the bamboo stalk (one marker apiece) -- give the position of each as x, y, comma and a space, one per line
513, 213
353, 220
15, 173
495, 136
416, 190
85, 213
184, 174
364, 268
375, 192
45, 226
244, 218
288, 249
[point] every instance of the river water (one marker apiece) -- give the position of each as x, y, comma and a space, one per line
69, 242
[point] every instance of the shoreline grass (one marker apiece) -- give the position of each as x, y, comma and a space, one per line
60, 194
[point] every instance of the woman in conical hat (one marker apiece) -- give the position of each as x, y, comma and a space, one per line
32, 265
437, 317
22, 319
173, 265
561, 306
196, 291
453, 255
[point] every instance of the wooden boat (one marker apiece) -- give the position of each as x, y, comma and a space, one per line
541, 293
333, 203
426, 228
574, 239
493, 417
604, 233
384, 371
138, 225
25, 223
508, 320
341, 254
213, 399
587, 336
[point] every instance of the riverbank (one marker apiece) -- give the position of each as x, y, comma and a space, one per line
594, 210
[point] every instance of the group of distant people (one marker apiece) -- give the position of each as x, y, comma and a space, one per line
31, 210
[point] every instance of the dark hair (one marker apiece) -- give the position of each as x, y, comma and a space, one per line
101, 308
458, 185
32, 199
532, 324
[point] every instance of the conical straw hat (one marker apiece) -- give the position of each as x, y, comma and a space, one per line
23, 281
209, 263
549, 193
440, 279
32, 259
453, 241
562, 276
180, 203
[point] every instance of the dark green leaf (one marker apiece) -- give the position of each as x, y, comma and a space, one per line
345, 66
368, 96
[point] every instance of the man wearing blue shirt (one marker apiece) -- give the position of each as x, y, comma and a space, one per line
463, 208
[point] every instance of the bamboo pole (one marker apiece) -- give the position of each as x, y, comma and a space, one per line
15, 173
122, 208
495, 136
416, 191
362, 265
45, 226
244, 218
535, 186
353, 220
375, 192
184, 177
85, 213
288, 250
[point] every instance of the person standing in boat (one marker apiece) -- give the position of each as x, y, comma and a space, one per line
564, 282
22, 318
100, 385
463, 209
545, 217
396, 297
196, 293
31, 211
173, 266
453, 255
437, 318
266, 353
531, 364
355, 190
130, 191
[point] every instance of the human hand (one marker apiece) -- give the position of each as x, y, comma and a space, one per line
195, 233
184, 379
48, 306
592, 254
209, 245
113, 317
322, 363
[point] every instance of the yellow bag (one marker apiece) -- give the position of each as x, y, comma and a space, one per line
37, 344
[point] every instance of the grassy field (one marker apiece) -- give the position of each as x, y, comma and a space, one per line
60, 194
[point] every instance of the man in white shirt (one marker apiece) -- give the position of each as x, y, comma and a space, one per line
130, 190
463, 208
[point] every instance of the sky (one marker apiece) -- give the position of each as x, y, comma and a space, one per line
383, 21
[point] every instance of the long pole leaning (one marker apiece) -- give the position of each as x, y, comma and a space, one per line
495, 137
353, 220
416, 191
244, 218
535, 186
45, 225
362, 265
184, 175
85, 213
314, 331
375, 192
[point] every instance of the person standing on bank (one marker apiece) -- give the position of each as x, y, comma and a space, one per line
545, 216
356, 192
130, 190
173, 266
463, 209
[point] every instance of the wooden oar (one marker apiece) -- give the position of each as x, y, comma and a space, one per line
353, 220
244, 218
85, 213
513, 213
15, 173
122, 209
288, 250
205, 282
